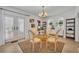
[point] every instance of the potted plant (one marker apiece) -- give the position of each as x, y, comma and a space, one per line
60, 23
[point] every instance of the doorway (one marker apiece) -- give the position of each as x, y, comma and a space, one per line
14, 28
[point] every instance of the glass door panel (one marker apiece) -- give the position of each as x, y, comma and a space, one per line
21, 27
9, 22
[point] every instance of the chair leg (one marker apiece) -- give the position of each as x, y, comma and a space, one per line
33, 47
46, 45
55, 46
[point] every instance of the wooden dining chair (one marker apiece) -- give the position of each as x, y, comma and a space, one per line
34, 40
53, 38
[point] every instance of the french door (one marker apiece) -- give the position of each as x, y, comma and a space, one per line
14, 28
21, 28
9, 28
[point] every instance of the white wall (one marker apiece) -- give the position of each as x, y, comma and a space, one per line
1, 29
27, 27
77, 24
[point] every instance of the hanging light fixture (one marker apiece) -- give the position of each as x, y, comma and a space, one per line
43, 13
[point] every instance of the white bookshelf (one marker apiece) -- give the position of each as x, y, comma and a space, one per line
70, 28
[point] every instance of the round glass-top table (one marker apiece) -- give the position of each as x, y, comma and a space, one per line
43, 39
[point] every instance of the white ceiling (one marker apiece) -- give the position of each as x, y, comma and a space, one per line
51, 10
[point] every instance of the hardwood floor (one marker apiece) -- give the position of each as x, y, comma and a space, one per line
70, 47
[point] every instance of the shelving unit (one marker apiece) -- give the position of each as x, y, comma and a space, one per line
70, 28
38, 26
41, 27
44, 26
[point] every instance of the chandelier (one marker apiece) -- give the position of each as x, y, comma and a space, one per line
43, 13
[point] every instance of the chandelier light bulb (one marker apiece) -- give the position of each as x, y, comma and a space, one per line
43, 13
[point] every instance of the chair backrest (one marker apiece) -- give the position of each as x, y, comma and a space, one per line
55, 33
31, 34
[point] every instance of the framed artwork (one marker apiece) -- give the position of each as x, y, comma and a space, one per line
32, 25
31, 20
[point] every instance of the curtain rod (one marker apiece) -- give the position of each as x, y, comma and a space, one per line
13, 11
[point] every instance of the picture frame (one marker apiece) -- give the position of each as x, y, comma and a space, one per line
31, 20
32, 25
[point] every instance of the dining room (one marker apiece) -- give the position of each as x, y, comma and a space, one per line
39, 29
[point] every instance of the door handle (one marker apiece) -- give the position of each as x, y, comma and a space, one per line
16, 28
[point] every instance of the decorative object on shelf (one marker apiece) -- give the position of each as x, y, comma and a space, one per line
43, 13
42, 28
39, 22
70, 29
